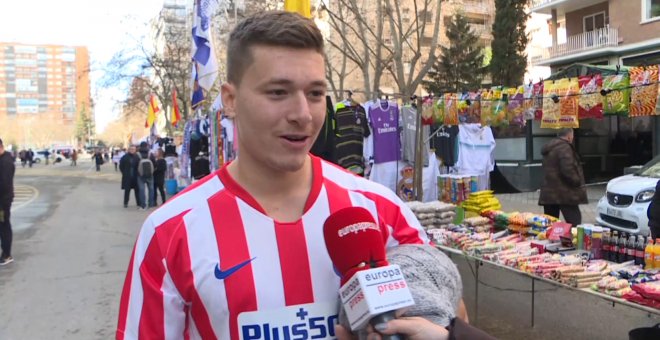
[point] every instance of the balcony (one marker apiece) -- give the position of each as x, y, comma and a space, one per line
472, 7
561, 6
576, 47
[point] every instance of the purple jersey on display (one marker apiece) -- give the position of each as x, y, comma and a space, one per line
384, 120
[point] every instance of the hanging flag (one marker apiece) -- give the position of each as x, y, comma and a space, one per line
154, 107
301, 7
198, 93
176, 114
202, 48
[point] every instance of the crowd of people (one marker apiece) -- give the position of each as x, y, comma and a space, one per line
143, 171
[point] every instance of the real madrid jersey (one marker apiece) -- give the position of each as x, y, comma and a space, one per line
211, 264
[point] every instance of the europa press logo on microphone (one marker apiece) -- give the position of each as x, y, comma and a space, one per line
356, 228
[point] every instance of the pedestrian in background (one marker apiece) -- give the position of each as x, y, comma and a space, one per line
7, 170
128, 165
74, 158
146, 178
98, 159
30, 157
563, 187
159, 176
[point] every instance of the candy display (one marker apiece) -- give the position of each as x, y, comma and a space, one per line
519, 240
481, 201
433, 215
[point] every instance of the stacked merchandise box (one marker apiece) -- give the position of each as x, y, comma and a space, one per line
481, 201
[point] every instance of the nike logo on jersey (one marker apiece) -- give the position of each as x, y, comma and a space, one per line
223, 274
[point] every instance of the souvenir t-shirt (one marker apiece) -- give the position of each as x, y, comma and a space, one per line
384, 121
409, 134
212, 264
352, 128
444, 142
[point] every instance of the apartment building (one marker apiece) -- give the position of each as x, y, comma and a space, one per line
480, 15
43, 89
596, 32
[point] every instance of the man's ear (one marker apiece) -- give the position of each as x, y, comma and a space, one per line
228, 92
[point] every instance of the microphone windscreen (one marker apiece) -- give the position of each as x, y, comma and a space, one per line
354, 241
433, 280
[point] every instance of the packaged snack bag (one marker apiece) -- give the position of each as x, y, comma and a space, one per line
568, 102
486, 107
537, 94
427, 111
617, 101
439, 111
644, 92
515, 107
463, 108
474, 110
500, 99
551, 111
590, 102
451, 109
528, 101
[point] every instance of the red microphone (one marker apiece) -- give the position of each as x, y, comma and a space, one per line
372, 290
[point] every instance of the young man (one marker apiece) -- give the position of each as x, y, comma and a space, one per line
7, 170
242, 249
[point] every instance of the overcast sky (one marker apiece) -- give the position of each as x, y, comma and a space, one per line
103, 26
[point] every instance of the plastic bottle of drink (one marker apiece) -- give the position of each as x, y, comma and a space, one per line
622, 248
631, 247
639, 251
648, 255
656, 253
614, 247
606, 246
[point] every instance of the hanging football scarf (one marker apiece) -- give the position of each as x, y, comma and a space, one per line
213, 141
590, 101
644, 95
184, 156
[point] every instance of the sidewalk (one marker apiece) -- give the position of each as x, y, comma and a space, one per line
528, 202
85, 168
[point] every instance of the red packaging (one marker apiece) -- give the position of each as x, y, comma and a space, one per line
649, 290
537, 94
557, 230
590, 101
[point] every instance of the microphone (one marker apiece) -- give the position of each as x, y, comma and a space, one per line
371, 289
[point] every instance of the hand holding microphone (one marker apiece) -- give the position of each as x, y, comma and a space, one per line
372, 290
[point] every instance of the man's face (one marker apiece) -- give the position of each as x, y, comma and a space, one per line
2, 149
279, 106
131, 150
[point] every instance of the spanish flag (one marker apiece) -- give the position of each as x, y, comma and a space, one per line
301, 7
153, 109
176, 114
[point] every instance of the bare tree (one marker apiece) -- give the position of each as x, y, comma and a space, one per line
383, 38
160, 72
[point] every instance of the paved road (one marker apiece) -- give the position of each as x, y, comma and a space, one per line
72, 243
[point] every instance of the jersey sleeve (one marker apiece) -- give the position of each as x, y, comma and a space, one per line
151, 307
398, 223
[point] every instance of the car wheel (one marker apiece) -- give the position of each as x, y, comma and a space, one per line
37, 160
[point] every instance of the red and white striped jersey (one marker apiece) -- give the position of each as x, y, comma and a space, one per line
211, 264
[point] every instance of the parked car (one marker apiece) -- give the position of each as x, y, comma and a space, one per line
39, 156
627, 200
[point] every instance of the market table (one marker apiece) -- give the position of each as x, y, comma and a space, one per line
549, 309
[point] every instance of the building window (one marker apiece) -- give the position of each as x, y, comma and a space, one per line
650, 9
